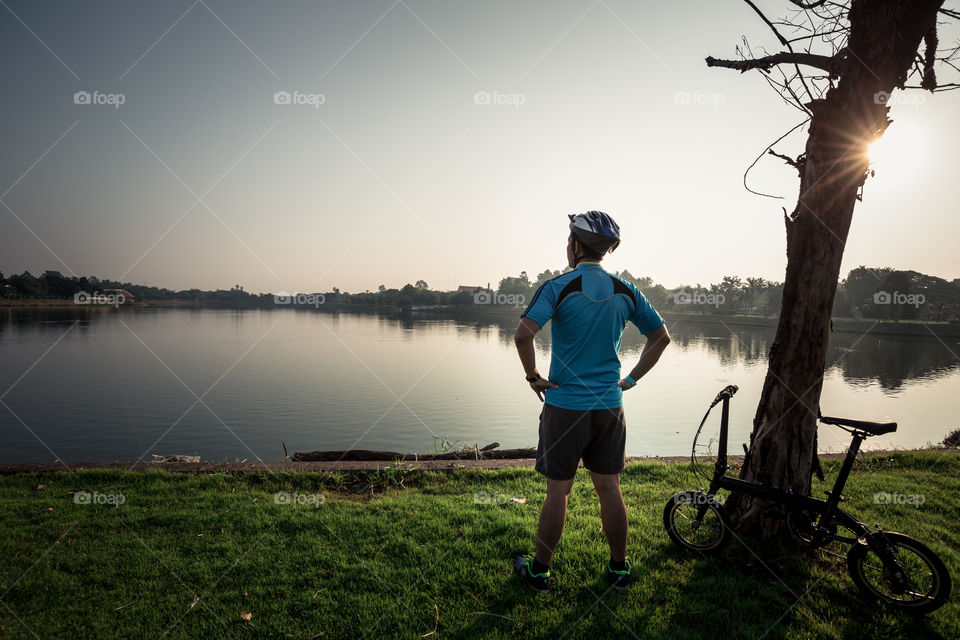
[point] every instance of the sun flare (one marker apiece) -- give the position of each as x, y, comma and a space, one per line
879, 151
900, 150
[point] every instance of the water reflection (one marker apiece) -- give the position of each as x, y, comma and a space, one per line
887, 360
874, 357
893, 360
106, 383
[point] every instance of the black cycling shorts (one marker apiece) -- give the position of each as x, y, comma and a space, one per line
598, 436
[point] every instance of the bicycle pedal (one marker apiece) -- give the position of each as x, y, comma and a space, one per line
830, 494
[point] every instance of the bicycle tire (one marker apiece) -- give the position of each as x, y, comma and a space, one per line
709, 536
928, 579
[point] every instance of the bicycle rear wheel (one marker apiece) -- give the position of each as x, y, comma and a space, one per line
695, 521
925, 582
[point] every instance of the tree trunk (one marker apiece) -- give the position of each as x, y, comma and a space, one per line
884, 38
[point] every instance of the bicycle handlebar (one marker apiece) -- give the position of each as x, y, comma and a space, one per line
728, 392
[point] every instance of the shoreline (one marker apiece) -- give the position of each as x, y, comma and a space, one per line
936, 330
366, 466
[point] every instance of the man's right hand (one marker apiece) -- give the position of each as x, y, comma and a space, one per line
542, 384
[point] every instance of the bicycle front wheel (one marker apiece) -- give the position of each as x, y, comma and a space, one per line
920, 584
695, 521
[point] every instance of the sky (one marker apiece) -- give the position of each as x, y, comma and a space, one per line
301, 146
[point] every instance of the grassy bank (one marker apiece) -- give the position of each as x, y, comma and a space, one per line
388, 555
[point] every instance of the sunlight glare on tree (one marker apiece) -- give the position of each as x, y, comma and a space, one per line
899, 151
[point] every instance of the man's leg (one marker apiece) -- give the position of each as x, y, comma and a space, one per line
613, 513
552, 516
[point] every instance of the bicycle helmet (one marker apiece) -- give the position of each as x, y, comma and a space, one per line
596, 230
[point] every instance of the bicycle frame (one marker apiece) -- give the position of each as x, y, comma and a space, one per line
828, 510
819, 518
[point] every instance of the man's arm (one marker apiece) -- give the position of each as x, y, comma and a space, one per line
657, 341
523, 338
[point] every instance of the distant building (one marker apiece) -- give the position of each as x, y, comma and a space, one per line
468, 289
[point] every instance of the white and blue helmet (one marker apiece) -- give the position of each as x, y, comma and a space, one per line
596, 230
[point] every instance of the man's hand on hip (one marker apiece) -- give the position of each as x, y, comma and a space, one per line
542, 384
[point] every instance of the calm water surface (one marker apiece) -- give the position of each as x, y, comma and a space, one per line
124, 384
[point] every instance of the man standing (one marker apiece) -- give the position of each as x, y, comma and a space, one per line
582, 414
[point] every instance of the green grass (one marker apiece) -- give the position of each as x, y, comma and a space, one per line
185, 555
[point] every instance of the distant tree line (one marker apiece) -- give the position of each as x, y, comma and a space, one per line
731, 295
881, 294
55, 285
889, 294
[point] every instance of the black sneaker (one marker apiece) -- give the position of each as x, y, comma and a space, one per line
539, 582
619, 578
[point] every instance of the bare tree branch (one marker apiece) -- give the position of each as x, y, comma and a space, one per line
808, 5
817, 35
784, 42
826, 63
757, 159
822, 27
790, 161
940, 87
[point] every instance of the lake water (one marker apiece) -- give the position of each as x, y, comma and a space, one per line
124, 384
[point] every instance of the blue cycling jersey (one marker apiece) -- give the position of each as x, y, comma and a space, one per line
590, 309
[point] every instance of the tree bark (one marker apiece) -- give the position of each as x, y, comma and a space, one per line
884, 38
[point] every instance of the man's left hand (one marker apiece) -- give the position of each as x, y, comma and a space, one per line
542, 384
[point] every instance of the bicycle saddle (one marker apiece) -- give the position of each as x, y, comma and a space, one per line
867, 426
